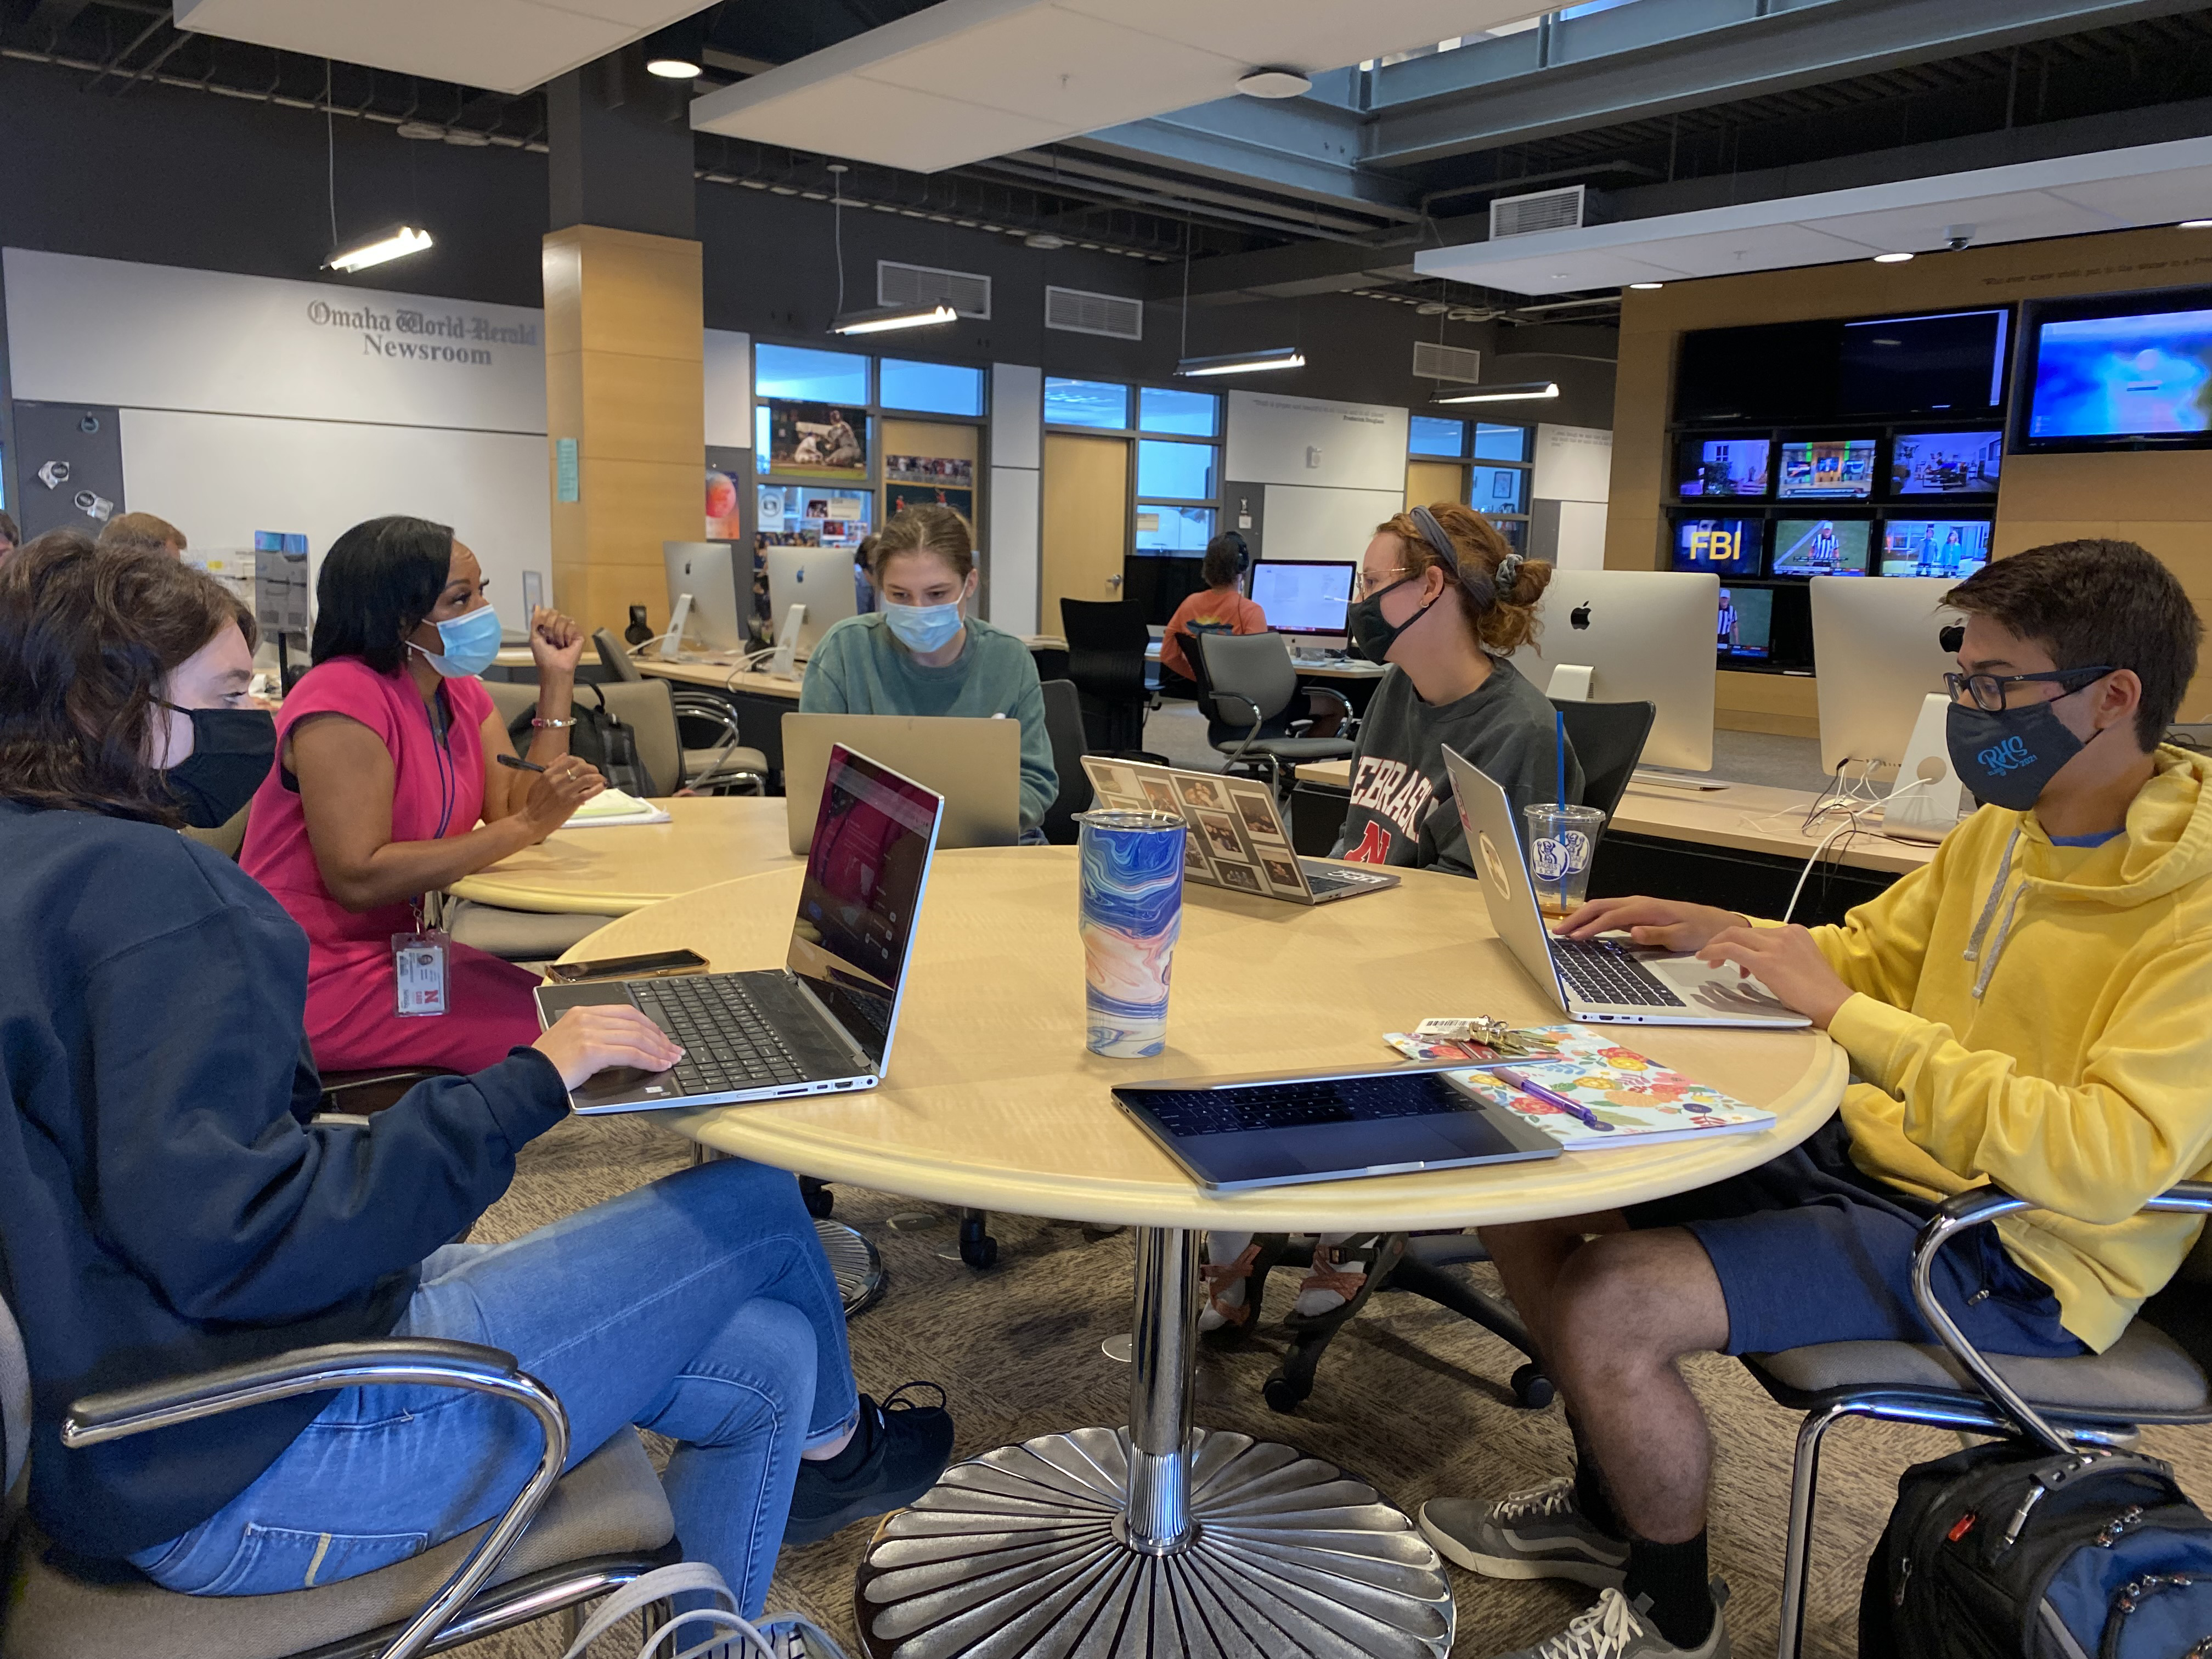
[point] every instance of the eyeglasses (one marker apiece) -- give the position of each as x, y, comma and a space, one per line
1363, 589
1989, 690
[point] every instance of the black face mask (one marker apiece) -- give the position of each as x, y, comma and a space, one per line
2007, 758
1373, 632
233, 749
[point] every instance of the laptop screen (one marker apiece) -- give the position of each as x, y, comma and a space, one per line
865, 871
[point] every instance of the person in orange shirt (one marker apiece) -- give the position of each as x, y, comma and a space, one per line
1221, 609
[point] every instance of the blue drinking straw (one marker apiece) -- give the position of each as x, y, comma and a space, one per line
1559, 751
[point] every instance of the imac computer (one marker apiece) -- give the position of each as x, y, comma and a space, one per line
1634, 636
819, 578
708, 571
1880, 660
1305, 597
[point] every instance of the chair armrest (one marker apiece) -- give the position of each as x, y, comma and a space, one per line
1978, 1207
1236, 710
421, 1361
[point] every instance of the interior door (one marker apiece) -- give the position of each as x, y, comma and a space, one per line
1086, 521
1428, 483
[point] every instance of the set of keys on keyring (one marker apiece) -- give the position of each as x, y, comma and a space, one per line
1493, 1034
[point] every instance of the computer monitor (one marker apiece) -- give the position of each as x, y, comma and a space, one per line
1724, 467
1304, 596
1837, 469
1745, 630
1647, 635
1729, 548
1822, 547
819, 578
1951, 548
1876, 647
1945, 463
708, 571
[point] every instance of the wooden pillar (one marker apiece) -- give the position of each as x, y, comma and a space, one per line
625, 383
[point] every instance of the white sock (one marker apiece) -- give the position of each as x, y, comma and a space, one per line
1221, 1249
1315, 1300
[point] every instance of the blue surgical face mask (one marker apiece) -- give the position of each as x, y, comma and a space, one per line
470, 641
923, 628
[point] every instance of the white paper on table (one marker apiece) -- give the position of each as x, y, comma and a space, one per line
615, 806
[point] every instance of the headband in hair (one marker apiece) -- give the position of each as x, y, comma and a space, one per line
1502, 580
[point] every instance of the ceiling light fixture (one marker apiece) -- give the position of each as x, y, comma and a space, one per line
1274, 83
1241, 362
1892, 259
394, 244
1647, 287
1044, 240
882, 319
1504, 392
2195, 224
672, 69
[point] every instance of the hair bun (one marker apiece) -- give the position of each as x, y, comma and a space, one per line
1507, 577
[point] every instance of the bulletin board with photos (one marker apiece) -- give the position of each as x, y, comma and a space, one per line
1236, 841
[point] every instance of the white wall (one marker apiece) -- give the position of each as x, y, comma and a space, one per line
1277, 440
728, 362
1302, 522
1573, 463
1012, 512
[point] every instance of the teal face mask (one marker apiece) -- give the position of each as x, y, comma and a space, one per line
470, 641
923, 628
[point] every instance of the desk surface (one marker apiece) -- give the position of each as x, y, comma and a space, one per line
614, 869
1750, 817
993, 1101
719, 677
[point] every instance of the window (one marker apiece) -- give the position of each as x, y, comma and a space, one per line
936, 388
1085, 402
826, 377
1163, 409
1173, 530
1426, 435
1496, 490
1502, 443
1185, 470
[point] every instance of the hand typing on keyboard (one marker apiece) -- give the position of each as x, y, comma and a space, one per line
1661, 924
1787, 962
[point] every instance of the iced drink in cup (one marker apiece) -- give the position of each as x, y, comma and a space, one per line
1561, 841
1132, 914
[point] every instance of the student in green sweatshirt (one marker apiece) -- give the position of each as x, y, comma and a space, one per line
922, 655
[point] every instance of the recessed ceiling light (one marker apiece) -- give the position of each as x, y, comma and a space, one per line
1274, 83
2195, 224
1561, 275
674, 69
1890, 259
428, 129
1045, 240
1647, 287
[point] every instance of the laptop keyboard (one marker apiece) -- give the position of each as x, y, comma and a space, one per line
1303, 1105
728, 1041
1598, 971
1327, 877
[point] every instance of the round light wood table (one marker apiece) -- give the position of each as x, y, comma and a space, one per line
1162, 1539
616, 868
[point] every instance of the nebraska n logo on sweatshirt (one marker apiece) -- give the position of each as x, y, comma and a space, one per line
1394, 791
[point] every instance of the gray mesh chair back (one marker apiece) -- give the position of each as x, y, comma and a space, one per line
1258, 716
1256, 668
614, 655
1608, 741
1063, 723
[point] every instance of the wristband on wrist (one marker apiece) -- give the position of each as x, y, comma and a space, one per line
544, 725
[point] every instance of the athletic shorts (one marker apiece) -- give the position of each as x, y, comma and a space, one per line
1808, 1249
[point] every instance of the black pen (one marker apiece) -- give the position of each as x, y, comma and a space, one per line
520, 764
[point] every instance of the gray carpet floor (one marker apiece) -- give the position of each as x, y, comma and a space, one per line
1410, 1397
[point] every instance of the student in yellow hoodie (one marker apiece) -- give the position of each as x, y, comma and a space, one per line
2033, 1008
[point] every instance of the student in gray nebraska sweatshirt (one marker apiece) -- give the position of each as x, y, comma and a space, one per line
1444, 602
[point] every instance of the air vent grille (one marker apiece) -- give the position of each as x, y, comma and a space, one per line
1548, 210
1443, 362
1074, 311
965, 291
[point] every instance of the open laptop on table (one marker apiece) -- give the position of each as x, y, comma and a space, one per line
823, 1021
974, 764
1237, 839
1602, 979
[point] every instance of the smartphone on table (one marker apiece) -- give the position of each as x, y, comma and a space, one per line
657, 964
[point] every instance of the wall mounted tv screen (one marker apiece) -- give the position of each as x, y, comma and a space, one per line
2119, 372
1747, 622
1728, 547
1712, 467
1945, 463
1952, 363
1935, 547
1842, 470
1822, 547
1764, 375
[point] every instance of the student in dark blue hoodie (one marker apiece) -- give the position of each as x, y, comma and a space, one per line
171, 1208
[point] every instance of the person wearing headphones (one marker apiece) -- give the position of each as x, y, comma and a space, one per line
1442, 599
1221, 609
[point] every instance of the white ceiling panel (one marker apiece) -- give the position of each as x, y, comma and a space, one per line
2070, 195
1076, 66
929, 131
508, 45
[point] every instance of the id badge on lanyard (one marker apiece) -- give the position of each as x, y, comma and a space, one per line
418, 962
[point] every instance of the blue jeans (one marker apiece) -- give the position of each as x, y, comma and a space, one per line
700, 1307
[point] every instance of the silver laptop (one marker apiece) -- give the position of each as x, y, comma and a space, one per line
974, 764
1600, 980
822, 1022
1237, 839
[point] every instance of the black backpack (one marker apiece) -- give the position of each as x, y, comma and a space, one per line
2011, 1551
600, 738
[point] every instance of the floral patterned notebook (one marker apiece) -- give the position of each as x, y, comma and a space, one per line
1639, 1102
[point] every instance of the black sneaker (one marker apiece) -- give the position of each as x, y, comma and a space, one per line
901, 1449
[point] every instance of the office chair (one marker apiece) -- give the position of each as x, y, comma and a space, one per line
1063, 721
2094, 1400
1608, 739
563, 1540
1106, 644
723, 762
1251, 690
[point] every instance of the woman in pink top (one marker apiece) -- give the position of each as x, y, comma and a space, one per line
387, 755
1221, 609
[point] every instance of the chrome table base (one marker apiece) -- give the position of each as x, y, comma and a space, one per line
1215, 1545
853, 1262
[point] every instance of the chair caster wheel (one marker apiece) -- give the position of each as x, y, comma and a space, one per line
979, 1252
818, 1198
1532, 1389
1282, 1394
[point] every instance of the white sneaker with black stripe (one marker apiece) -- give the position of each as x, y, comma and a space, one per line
1615, 1630
1539, 1534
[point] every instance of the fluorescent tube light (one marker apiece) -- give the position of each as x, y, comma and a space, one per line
885, 319
1503, 392
395, 244
1242, 362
